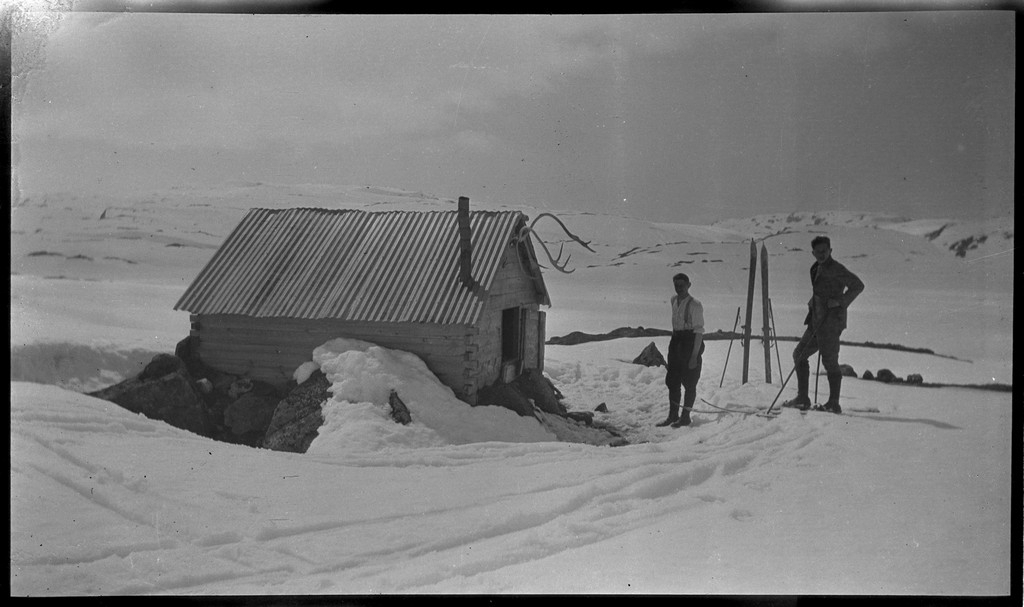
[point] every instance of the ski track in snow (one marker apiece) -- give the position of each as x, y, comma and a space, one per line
220, 520
610, 494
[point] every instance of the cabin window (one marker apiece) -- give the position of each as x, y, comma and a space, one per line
511, 334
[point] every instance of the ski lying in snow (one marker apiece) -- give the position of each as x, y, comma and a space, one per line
845, 411
776, 411
736, 408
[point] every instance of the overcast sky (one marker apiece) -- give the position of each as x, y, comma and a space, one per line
682, 118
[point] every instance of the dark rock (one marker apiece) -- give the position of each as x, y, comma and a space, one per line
399, 412
554, 389
186, 351
868, 375
263, 388
847, 371
162, 364
240, 386
223, 381
886, 376
505, 395
915, 378
578, 337
172, 398
185, 348
602, 408
533, 385
248, 417
650, 357
585, 417
298, 417
530, 391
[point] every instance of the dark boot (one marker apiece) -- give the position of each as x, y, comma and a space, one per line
835, 384
684, 419
803, 377
673, 414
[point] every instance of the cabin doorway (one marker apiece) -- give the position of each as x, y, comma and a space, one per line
513, 323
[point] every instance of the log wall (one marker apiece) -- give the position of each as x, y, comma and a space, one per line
270, 349
465, 358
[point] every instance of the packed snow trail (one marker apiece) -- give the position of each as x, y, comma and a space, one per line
506, 503
109, 502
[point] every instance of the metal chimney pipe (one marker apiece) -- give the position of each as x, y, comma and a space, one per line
465, 245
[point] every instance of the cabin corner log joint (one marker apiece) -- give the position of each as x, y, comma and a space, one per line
462, 290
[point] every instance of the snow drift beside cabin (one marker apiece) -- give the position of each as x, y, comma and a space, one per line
356, 418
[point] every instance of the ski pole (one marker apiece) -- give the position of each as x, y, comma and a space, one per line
724, 367
775, 335
817, 375
814, 331
786, 381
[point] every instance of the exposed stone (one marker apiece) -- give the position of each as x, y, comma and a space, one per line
585, 417
298, 417
186, 351
528, 391
162, 364
399, 412
886, 376
650, 357
572, 430
578, 337
847, 371
171, 398
505, 395
602, 408
205, 386
221, 382
533, 385
239, 387
915, 378
249, 416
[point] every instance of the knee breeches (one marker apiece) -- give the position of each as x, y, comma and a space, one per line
679, 375
824, 340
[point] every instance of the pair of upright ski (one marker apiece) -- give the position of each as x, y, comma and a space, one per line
765, 313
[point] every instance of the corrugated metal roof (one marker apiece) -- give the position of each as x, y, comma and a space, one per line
395, 266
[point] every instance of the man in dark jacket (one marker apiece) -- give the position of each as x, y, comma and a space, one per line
834, 289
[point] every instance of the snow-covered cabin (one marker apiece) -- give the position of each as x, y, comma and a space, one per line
460, 289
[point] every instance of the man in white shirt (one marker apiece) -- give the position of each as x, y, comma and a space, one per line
684, 352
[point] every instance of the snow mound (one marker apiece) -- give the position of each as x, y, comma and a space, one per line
357, 417
77, 367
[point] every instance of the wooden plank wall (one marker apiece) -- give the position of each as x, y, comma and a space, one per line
270, 349
512, 287
466, 358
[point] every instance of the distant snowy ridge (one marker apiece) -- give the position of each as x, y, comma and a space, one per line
967, 239
963, 238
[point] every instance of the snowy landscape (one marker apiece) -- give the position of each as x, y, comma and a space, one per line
907, 493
